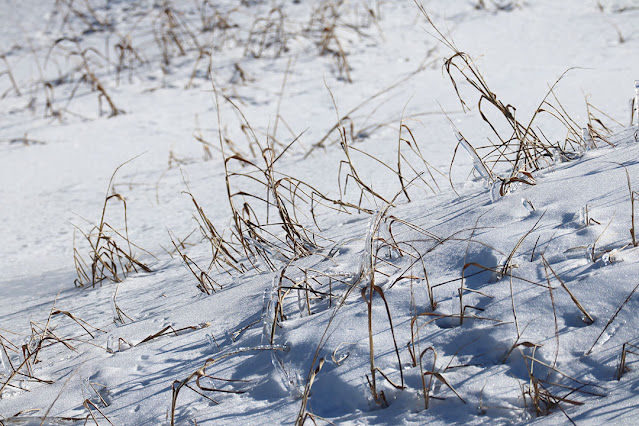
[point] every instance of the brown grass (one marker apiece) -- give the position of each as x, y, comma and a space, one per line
628, 348
110, 256
178, 385
522, 150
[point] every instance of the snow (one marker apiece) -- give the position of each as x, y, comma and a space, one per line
498, 299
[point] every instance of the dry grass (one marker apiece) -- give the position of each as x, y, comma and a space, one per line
173, 34
519, 151
200, 373
632, 209
176, 36
419, 169
326, 21
544, 396
84, 12
87, 57
9, 74
110, 256
267, 34
586, 318
370, 286
206, 284
498, 5
274, 215
613, 317
128, 57
628, 348
269, 208
20, 360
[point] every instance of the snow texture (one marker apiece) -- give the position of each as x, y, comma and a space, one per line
265, 212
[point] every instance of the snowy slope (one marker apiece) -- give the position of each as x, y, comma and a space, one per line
505, 309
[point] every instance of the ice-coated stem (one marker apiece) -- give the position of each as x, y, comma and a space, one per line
477, 163
589, 143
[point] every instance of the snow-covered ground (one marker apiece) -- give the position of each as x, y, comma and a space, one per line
320, 140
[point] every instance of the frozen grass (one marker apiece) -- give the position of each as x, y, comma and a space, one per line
336, 278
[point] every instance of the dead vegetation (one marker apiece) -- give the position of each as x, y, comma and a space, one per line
19, 363
275, 226
273, 214
87, 57
498, 5
110, 256
9, 74
325, 21
387, 261
100, 47
199, 375
516, 149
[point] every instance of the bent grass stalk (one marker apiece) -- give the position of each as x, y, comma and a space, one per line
107, 260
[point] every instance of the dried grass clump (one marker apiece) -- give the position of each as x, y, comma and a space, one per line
87, 75
199, 376
383, 252
18, 362
110, 256
633, 195
267, 34
84, 12
367, 276
173, 34
325, 23
628, 348
412, 168
498, 5
9, 74
272, 212
287, 202
225, 256
129, 57
521, 149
